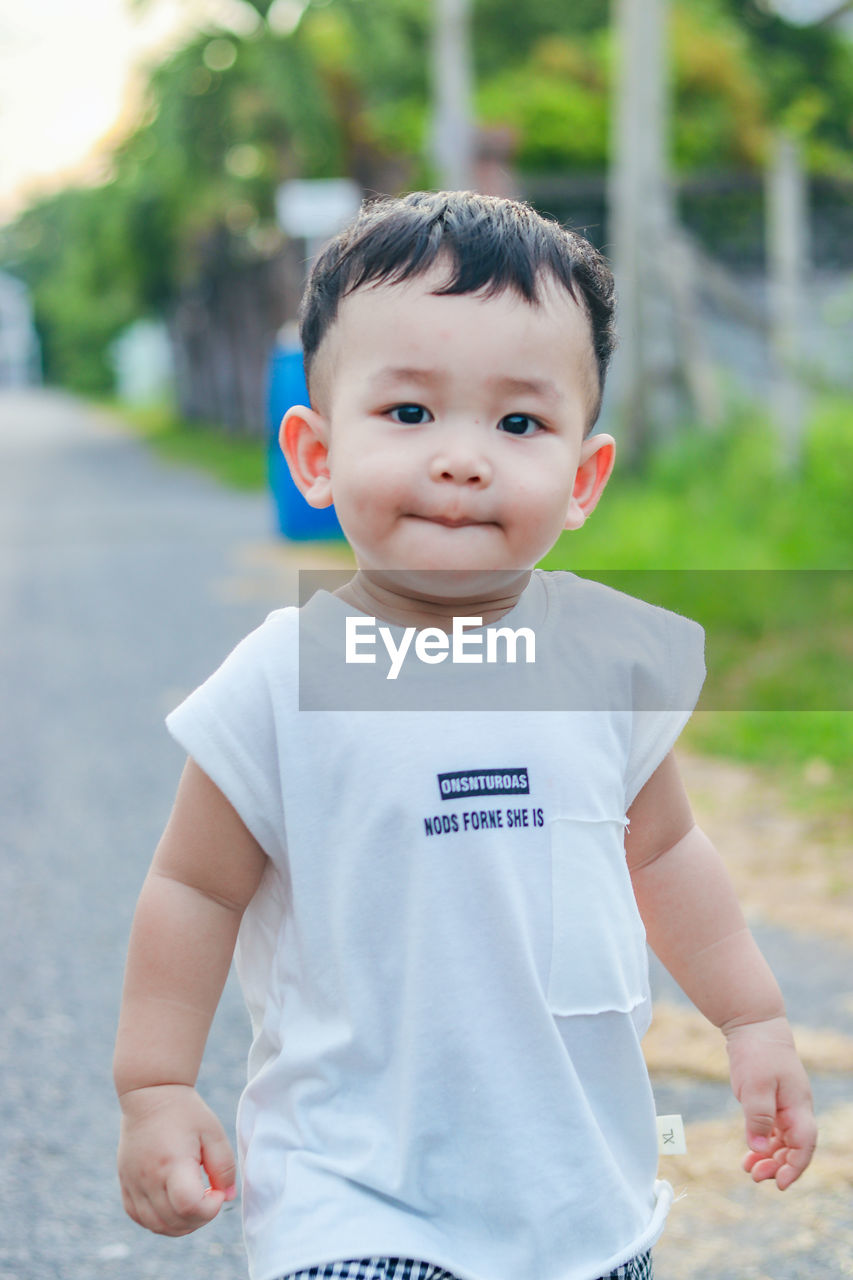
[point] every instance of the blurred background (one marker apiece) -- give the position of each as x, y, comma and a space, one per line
167, 170
170, 166
705, 145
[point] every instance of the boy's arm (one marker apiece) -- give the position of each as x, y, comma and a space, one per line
204, 873
695, 926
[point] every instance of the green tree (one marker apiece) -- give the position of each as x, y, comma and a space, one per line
229, 116
67, 248
806, 74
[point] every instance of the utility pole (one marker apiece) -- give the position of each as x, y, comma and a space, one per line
642, 222
787, 258
452, 79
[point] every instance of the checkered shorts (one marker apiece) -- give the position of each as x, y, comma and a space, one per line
408, 1269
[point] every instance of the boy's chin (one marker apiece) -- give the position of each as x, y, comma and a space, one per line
443, 585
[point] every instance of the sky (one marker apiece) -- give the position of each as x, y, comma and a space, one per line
70, 78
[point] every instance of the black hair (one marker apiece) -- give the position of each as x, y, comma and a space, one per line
492, 243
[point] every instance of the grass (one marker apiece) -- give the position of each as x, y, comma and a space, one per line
722, 501
807, 754
236, 460
717, 530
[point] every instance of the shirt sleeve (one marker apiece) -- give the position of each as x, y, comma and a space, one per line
666, 689
228, 726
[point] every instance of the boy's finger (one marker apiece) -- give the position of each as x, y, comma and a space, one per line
185, 1194
163, 1223
131, 1208
801, 1133
786, 1176
759, 1109
801, 1139
764, 1170
218, 1160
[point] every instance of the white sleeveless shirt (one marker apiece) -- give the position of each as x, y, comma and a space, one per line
444, 965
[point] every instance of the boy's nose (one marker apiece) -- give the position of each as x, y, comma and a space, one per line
460, 463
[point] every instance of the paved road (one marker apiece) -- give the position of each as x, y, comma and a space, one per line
122, 584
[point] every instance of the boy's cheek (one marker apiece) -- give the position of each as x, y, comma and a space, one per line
371, 491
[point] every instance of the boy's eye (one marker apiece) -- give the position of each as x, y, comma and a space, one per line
518, 424
410, 415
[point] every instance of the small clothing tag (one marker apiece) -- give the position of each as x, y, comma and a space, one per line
671, 1141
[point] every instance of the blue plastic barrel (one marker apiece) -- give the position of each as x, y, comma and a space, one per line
296, 519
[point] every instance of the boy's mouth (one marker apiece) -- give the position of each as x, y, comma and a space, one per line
453, 522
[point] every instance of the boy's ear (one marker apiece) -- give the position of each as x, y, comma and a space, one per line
304, 440
597, 455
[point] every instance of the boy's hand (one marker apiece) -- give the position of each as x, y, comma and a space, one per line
771, 1085
169, 1139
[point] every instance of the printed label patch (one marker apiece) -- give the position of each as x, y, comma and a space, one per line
483, 782
671, 1140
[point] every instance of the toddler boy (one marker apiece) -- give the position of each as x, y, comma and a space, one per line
443, 901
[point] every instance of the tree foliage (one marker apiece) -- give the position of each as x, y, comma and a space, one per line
806, 78
229, 116
69, 249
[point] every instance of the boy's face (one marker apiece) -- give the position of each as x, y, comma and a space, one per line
454, 425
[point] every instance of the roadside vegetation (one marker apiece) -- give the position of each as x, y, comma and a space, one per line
761, 556
714, 528
238, 461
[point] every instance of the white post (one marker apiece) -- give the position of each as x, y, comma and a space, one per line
453, 126
787, 257
641, 216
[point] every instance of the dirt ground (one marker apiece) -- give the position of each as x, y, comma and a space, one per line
794, 873
789, 869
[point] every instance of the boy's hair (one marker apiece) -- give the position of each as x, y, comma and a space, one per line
493, 244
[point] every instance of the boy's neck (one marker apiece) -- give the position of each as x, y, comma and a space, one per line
434, 599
